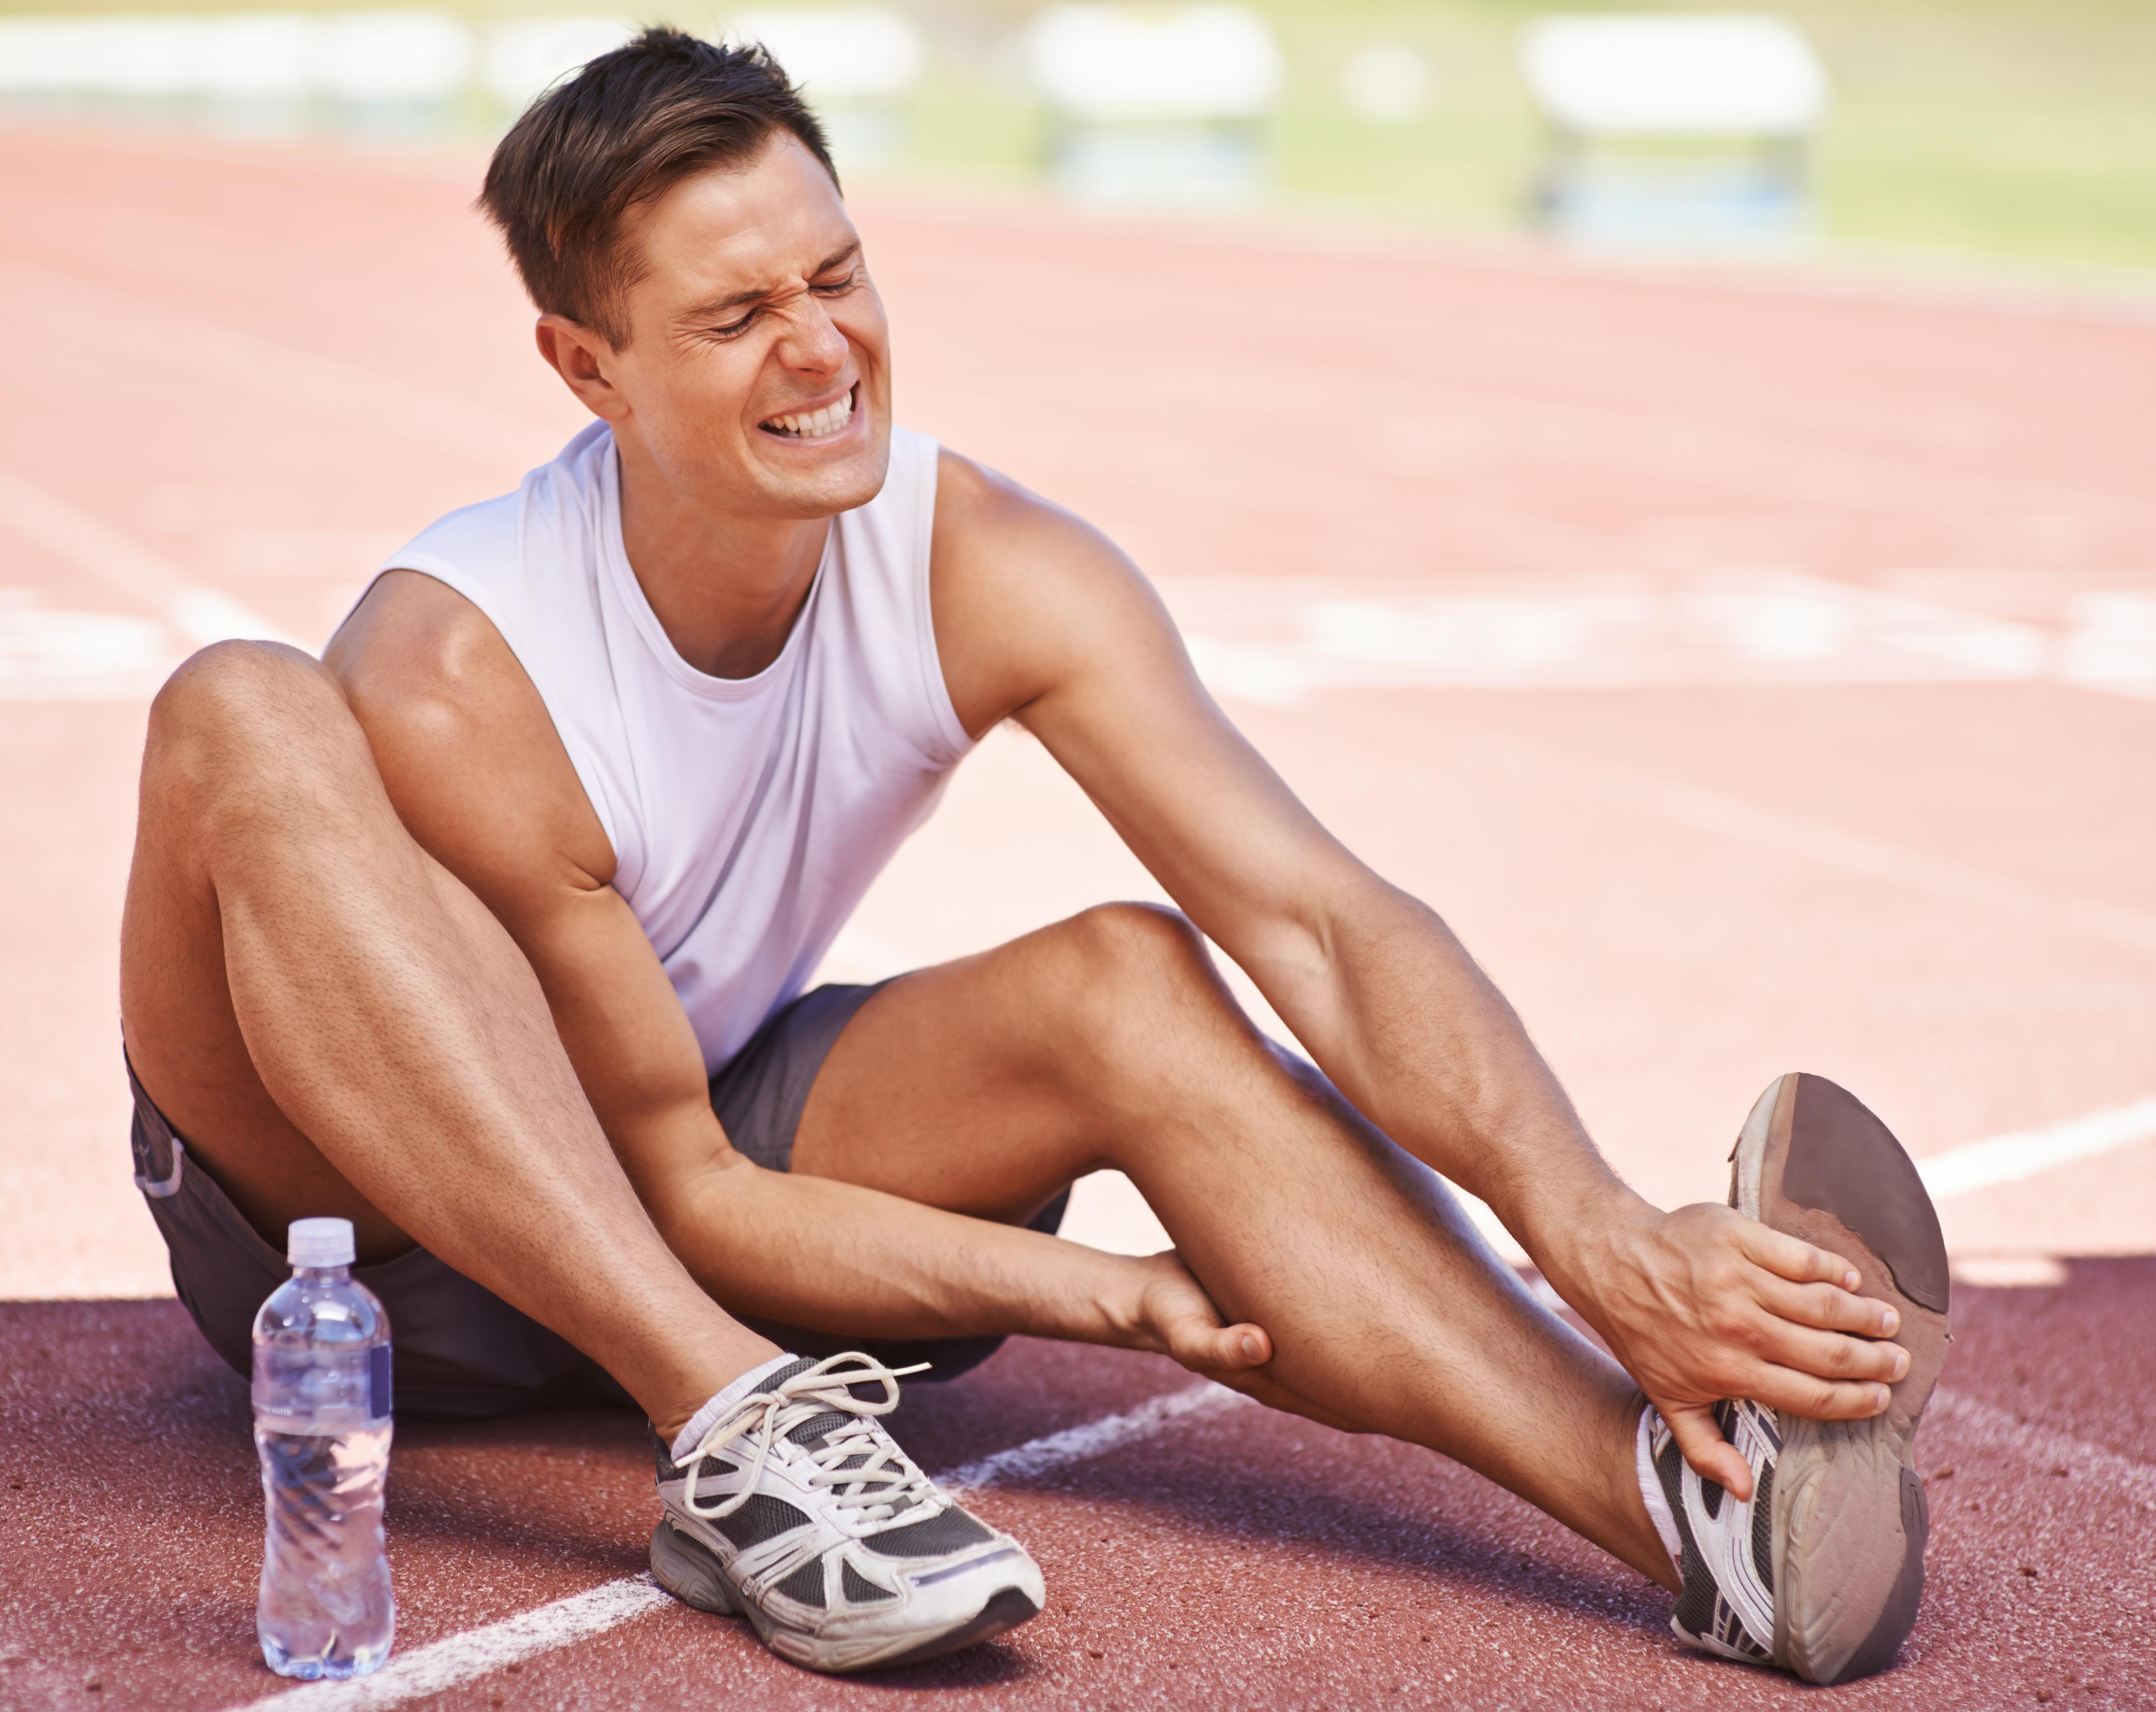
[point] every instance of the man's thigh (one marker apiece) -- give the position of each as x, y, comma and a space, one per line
181, 1033
962, 1086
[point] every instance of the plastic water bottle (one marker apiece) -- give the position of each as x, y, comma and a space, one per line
321, 1426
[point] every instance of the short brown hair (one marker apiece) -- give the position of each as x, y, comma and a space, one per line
625, 129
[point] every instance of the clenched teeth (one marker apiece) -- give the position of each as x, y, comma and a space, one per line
828, 420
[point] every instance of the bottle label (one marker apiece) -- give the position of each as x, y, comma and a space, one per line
322, 1388
378, 1381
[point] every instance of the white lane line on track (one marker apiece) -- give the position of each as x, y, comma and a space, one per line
461, 1659
1789, 836
1982, 1426
1095, 1438
201, 615
2008, 1158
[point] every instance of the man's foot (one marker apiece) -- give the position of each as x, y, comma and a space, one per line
798, 1512
1821, 1572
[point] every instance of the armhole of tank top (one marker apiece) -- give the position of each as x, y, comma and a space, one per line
952, 744
588, 771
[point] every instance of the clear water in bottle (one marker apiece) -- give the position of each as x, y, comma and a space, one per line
322, 1428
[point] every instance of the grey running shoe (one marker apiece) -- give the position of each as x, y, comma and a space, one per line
800, 1513
1821, 1572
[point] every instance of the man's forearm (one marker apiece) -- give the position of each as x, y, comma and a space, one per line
1409, 1028
832, 1256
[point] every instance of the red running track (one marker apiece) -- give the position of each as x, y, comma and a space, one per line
1244, 1559
247, 371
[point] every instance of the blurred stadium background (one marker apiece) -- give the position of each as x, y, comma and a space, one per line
1833, 499
2020, 130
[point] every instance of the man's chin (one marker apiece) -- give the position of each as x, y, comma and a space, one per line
844, 485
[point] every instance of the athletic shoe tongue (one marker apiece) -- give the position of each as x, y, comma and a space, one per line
810, 1432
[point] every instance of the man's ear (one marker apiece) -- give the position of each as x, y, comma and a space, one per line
584, 361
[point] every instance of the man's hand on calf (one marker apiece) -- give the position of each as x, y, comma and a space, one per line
1703, 1304
1165, 1309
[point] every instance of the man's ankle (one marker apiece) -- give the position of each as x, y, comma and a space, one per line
1649, 1528
683, 1431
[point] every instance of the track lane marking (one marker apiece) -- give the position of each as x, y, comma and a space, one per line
1076, 1444
1789, 836
1278, 640
2026, 1153
201, 615
461, 1658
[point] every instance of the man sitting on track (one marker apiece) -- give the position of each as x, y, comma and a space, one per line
490, 933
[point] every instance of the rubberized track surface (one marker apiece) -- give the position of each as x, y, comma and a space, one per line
1913, 850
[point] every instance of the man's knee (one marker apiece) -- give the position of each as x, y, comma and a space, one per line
236, 717
1140, 979
1147, 940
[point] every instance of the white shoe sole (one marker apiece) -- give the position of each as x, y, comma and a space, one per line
689, 1571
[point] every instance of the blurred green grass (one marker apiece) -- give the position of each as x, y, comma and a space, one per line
2008, 128
2023, 128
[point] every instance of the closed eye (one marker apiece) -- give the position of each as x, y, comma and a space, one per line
850, 281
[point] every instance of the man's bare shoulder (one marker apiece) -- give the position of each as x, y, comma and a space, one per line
462, 737
1026, 591
416, 652
982, 515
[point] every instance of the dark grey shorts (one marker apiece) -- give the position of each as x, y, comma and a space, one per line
462, 1352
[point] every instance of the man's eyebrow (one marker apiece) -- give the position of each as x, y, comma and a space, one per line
756, 294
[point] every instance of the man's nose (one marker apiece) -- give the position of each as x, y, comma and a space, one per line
812, 340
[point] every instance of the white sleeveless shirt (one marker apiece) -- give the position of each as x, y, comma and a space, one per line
747, 815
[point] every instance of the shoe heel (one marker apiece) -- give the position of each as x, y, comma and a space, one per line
688, 1570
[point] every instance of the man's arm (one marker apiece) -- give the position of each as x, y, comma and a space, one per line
478, 775
1040, 617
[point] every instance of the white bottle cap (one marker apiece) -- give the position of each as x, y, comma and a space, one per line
318, 1242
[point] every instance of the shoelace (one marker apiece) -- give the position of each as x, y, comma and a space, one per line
884, 1480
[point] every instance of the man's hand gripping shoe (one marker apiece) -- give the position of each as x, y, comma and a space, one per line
799, 1512
1821, 1572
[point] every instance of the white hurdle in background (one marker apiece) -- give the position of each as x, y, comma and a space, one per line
1746, 94
855, 65
391, 58
1156, 107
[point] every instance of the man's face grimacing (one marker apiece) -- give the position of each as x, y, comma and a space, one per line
757, 377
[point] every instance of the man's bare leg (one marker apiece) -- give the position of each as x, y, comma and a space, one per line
985, 1085
338, 1026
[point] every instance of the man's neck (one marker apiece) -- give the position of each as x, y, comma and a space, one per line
726, 589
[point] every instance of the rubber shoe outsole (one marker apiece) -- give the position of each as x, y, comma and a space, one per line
690, 1572
1849, 1517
